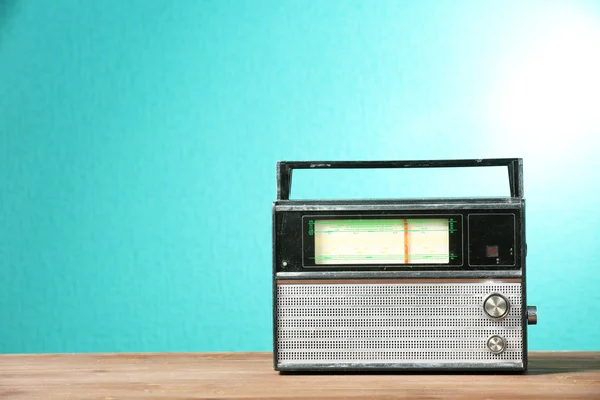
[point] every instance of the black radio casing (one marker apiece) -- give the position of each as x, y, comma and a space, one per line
315, 328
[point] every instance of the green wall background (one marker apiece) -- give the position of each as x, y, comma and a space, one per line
138, 142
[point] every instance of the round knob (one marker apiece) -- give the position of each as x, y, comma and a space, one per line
496, 306
496, 344
531, 315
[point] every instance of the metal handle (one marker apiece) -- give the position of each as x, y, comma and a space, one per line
515, 169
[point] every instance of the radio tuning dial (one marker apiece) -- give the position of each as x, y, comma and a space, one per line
496, 306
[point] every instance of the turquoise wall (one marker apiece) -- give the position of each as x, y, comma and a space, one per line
138, 142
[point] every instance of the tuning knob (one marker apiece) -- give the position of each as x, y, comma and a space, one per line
496, 306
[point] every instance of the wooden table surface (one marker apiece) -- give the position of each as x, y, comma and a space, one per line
251, 376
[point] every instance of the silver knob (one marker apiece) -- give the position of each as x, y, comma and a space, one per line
531, 315
496, 344
496, 306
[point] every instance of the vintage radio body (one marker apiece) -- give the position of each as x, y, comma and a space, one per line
400, 284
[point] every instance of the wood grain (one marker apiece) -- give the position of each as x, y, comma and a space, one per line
551, 375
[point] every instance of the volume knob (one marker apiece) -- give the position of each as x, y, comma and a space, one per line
496, 306
496, 344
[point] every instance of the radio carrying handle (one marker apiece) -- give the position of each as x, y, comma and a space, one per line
515, 169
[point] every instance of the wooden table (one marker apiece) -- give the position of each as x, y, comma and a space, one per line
251, 376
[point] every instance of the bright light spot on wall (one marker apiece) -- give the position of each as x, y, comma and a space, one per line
546, 99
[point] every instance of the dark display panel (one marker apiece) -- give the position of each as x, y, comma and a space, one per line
491, 239
482, 239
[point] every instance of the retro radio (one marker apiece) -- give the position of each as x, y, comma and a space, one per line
400, 284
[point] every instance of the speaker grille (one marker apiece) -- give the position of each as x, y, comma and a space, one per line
394, 323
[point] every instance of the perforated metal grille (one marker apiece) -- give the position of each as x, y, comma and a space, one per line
394, 323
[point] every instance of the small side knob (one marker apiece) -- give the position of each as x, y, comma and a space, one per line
531, 315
